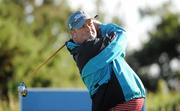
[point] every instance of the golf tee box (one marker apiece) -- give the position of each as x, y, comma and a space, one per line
47, 99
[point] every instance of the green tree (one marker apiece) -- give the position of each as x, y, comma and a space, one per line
161, 49
29, 33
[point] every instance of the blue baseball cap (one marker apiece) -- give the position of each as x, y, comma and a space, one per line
77, 19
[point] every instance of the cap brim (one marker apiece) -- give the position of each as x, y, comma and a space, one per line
79, 25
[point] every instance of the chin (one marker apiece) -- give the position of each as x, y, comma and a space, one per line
93, 35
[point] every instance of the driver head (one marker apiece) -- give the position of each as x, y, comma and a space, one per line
22, 89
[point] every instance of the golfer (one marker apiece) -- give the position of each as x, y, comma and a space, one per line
99, 52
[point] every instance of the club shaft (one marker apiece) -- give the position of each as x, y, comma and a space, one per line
49, 58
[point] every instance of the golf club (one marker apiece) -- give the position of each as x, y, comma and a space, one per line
22, 88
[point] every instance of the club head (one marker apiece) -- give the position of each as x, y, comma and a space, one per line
22, 89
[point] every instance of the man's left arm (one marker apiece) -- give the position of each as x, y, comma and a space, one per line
107, 55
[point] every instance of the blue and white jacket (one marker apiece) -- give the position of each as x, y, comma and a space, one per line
98, 58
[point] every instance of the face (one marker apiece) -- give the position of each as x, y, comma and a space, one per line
87, 31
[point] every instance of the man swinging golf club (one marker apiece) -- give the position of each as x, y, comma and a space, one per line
99, 52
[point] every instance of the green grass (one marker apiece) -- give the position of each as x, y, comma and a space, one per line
160, 100
163, 98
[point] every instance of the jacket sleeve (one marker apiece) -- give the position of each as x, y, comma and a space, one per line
87, 50
116, 48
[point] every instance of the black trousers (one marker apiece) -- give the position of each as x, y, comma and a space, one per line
108, 95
